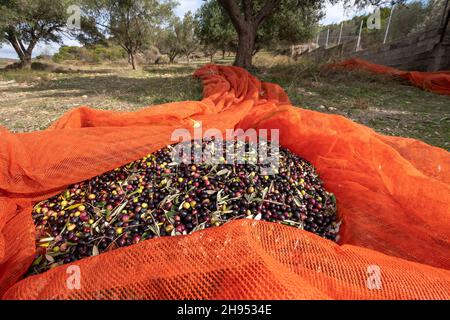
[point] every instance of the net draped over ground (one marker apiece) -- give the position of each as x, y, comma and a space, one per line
392, 193
438, 82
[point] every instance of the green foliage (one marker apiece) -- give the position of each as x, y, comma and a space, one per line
33, 18
167, 41
291, 22
179, 37
214, 28
24, 23
186, 36
132, 24
90, 54
90, 34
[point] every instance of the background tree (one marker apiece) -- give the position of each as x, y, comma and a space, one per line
263, 22
130, 23
179, 37
291, 23
186, 35
209, 51
167, 41
376, 3
214, 28
25, 23
247, 16
90, 34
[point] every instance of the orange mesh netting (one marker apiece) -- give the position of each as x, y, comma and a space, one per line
393, 194
438, 82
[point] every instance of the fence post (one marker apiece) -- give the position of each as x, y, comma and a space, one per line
328, 36
359, 36
445, 21
340, 33
388, 25
444, 14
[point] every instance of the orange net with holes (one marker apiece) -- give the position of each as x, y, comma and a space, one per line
393, 195
438, 82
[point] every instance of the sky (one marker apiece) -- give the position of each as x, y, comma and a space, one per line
334, 13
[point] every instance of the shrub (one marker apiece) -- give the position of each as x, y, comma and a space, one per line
94, 54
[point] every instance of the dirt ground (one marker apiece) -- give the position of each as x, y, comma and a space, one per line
32, 100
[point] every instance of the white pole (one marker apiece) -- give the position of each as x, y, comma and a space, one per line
340, 33
328, 36
359, 36
389, 24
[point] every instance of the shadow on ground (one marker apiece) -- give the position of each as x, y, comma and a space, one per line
152, 90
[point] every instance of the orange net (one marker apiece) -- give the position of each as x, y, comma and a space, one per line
391, 192
438, 82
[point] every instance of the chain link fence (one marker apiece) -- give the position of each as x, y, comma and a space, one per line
384, 25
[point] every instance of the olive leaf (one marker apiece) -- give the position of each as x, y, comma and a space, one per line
171, 213
297, 201
38, 260
49, 258
222, 172
333, 198
201, 226
264, 193
74, 206
299, 193
117, 210
291, 223
95, 251
156, 229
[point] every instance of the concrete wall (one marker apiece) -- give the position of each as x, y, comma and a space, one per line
422, 52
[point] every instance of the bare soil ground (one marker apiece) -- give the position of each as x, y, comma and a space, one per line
32, 100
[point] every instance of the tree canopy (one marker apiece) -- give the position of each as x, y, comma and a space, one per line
131, 24
214, 28
255, 24
24, 23
179, 37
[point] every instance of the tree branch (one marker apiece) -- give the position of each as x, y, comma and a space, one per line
11, 37
234, 12
248, 10
266, 11
21, 45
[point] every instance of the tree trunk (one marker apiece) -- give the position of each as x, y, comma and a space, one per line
24, 54
211, 58
246, 22
131, 60
25, 61
188, 60
246, 44
223, 54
